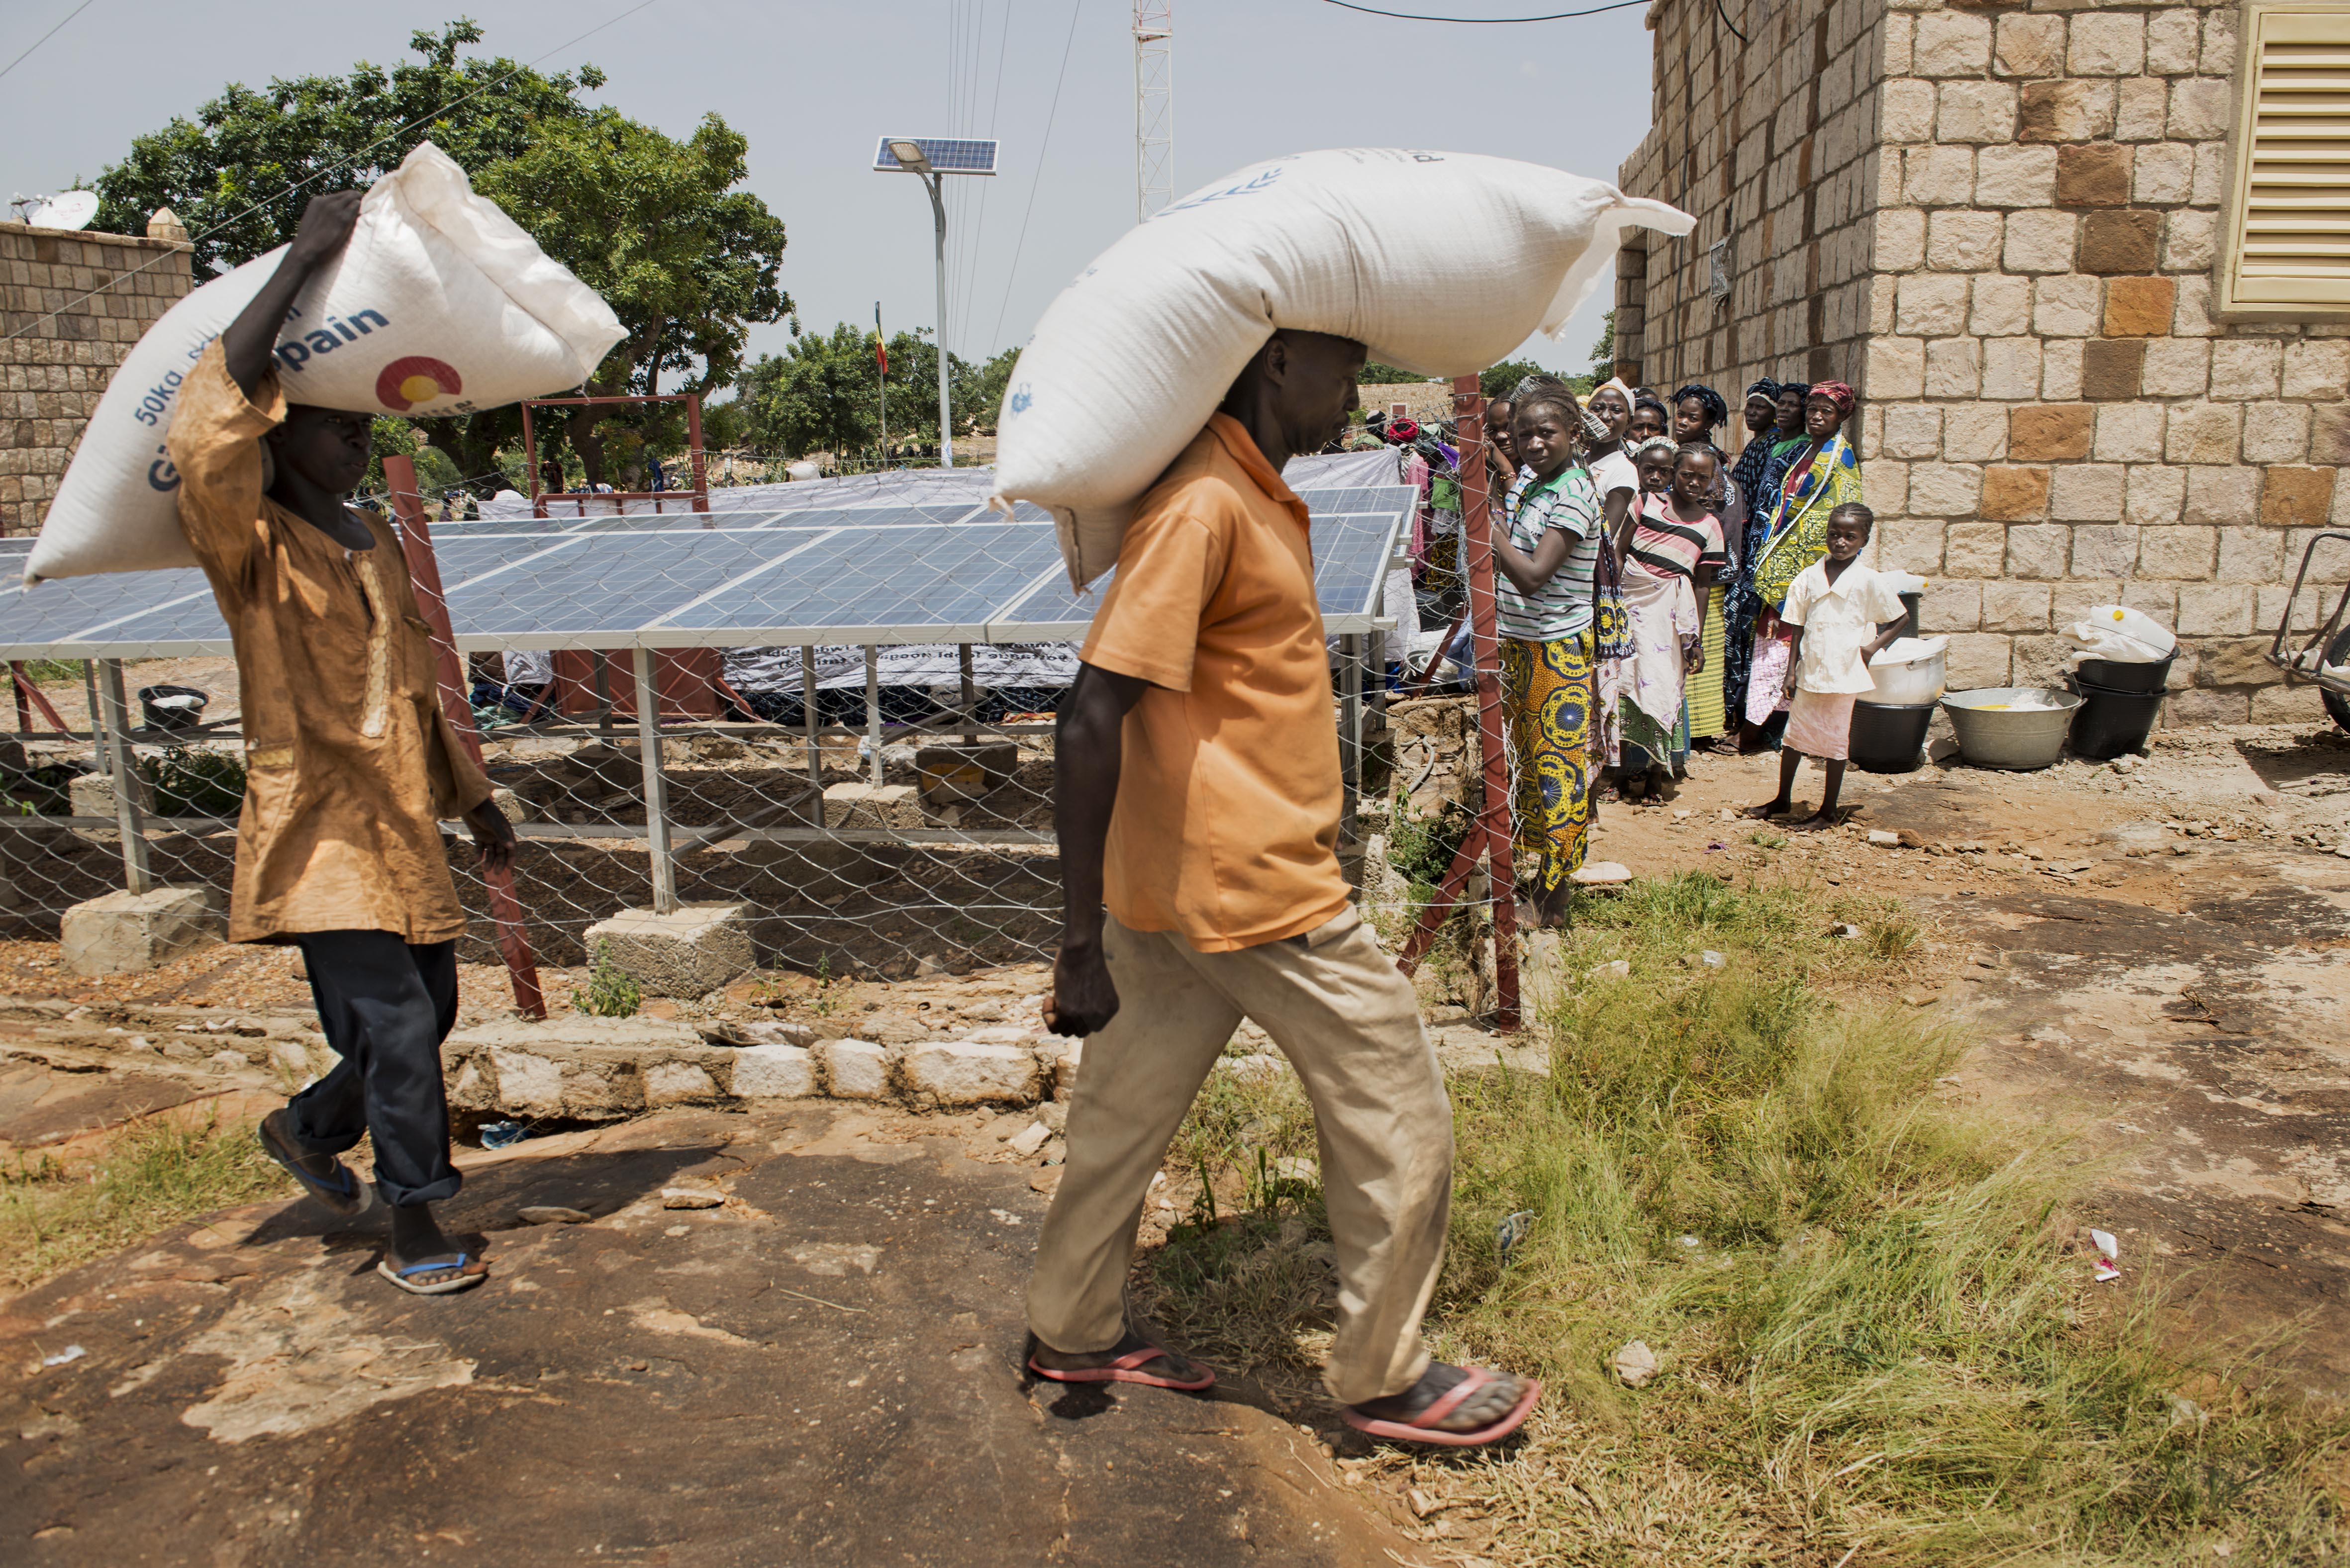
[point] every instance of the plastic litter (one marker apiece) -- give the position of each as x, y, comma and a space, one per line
70, 1353
2110, 1251
1712, 959
503, 1135
1511, 1231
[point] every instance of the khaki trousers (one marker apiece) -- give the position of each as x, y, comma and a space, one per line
1349, 1022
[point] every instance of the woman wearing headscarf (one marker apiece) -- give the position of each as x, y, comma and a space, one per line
1820, 474
1698, 412
1749, 477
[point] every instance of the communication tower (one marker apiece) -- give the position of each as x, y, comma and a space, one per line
1154, 106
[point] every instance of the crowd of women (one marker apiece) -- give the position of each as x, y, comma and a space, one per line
1640, 571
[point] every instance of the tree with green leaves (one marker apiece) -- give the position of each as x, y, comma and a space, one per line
1603, 353
655, 225
825, 393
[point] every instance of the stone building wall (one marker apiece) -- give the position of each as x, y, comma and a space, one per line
2050, 416
71, 303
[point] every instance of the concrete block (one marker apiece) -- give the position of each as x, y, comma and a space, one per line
956, 773
2013, 493
773, 1073
1974, 433
2297, 497
2066, 111
2015, 177
2244, 368
2040, 241
2319, 370
1953, 368
2106, 44
2215, 609
2087, 493
854, 1069
2105, 550
2203, 433
968, 1073
2011, 365
2189, 238
679, 1084
2060, 370
1978, 658
2276, 432
92, 795
2030, 45
2068, 306
1976, 550
1951, 44
2156, 494
2129, 433
2141, 104
2050, 433
125, 933
2174, 41
2183, 552
2091, 174
2038, 550
696, 950
525, 1082
2177, 367
2015, 606
2112, 368
2003, 306
870, 805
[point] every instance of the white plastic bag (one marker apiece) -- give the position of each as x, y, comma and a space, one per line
2118, 633
1440, 262
439, 304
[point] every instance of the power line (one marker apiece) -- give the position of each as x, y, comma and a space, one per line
1038, 180
1482, 21
329, 169
45, 38
994, 104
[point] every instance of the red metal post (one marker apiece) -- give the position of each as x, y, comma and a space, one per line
416, 544
19, 685
530, 464
1477, 534
1491, 833
28, 693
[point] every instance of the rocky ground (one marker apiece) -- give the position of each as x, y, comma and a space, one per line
824, 1360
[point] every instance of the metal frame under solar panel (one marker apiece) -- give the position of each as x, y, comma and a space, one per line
721, 580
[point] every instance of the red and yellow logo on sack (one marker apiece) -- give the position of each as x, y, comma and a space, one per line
417, 378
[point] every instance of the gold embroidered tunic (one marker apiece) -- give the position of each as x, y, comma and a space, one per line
351, 764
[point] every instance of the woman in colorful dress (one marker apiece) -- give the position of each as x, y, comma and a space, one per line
1548, 552
1755, 475
1821, 474
1698, 412
1607, 458
1661, 609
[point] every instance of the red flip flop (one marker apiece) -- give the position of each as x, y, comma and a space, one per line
1125, 1369
1421, 1428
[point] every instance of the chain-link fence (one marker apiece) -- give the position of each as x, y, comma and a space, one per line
839, 716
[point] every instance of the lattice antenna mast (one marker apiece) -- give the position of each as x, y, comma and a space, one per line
1154, 106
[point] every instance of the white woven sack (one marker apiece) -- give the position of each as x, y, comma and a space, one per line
2119, 634
1440, 262
439, 304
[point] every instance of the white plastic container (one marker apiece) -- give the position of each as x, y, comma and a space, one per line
1909, 673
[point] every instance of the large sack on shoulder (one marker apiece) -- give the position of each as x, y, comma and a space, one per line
439, 304
1440, 262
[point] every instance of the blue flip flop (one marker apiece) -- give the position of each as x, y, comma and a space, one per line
347, 1195
465, 1280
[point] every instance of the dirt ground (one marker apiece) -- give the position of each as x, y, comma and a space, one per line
2156, 960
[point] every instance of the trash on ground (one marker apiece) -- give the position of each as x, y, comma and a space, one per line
2109, 1253
503, 1135
1882, 839
1846, 931
1511, 1231
1712, 959
1636, 1364
70, 1353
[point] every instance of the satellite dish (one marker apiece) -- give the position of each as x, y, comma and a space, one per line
66, 210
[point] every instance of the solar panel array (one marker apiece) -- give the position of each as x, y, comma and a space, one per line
889, 574
948, 155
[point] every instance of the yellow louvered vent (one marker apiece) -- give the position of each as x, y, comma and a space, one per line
2289, 210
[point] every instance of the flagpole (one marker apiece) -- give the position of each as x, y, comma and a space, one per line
881, 381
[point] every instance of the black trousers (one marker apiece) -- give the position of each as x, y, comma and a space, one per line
385, 1006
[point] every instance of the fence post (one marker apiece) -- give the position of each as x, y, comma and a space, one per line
873, 708
135, 873
808, 721
1350, 731
664, 867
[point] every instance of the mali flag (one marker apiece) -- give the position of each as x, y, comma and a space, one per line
880, 344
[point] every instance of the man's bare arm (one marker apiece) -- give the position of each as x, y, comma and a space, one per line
1088, 751
251, 338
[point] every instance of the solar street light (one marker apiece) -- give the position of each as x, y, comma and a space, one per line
932, 157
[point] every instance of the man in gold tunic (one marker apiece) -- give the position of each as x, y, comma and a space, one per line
351, 765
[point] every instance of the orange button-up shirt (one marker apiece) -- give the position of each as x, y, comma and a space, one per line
351, 766
1226, 825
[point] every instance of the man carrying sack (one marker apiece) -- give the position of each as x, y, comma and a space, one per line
1198, 793
351, 765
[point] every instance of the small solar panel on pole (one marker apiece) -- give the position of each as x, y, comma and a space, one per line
932, 156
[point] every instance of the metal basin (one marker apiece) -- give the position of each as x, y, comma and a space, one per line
1994, 733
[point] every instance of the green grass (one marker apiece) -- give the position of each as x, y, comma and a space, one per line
1880, 1341
156, 1173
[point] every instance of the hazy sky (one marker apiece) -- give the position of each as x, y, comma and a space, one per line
815, 86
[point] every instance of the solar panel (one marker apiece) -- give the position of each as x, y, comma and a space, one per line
947, 155
897, 575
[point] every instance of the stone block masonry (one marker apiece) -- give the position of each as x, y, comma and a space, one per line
1999, 221
71, 304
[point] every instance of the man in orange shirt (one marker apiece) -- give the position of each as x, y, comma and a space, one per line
1199, 795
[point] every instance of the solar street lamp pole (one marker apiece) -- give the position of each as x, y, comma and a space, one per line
935, 159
